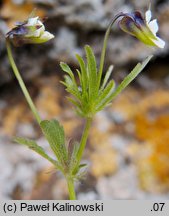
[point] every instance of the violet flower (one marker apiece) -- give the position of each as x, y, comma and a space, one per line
142, 28
31, 31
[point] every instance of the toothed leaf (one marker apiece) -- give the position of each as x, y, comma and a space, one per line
54, 133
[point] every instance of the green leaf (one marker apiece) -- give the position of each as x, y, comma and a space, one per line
132, 75
68, 81
107, 76
83, 72
127, 80
73, 101
54, 133
74, 93
65, 84
38, 149
92, 69
80, 77
67, 69
106, 92
82, 166
70, 87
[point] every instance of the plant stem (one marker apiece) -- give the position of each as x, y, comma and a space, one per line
21, 83
71, 188
83, 139
105, 46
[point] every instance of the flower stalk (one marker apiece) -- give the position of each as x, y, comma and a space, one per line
69, 180
21, 83
106, 37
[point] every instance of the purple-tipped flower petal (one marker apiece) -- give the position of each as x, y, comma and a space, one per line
142, 28
31, 31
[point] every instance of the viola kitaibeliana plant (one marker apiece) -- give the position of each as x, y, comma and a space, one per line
91, 94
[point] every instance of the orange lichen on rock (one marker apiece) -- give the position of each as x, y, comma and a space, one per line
149, 113
132, 103
103, 162
48, 101
127, 104
12, 117
70, 126
154, 167
152, 129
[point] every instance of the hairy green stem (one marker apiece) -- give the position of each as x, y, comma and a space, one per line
83, 140
105, 46
21, 83
71, 188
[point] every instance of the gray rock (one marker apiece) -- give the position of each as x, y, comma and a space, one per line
26, 130
124, 185
19, 167
88, 196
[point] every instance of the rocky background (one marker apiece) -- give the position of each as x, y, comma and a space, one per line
128, 149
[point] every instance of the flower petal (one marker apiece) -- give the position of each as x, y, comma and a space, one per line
46, 36
139, 21
148, 16
153, 26
159, 42
32, 21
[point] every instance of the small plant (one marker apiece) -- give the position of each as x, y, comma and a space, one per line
93, 93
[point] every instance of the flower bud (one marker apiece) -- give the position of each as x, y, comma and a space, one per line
31, 31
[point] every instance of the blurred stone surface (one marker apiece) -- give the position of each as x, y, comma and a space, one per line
88, 196
18, 167
124, 185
